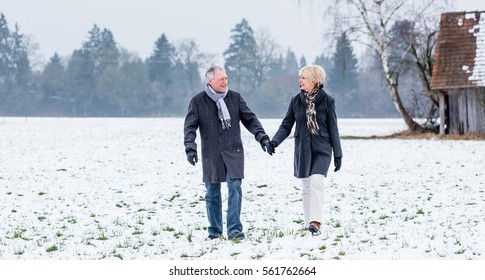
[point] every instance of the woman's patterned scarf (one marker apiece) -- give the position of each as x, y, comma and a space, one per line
311, 113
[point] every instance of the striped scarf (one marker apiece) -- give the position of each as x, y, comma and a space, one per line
311, 112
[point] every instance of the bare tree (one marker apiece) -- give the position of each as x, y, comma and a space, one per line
369, 22
267, 52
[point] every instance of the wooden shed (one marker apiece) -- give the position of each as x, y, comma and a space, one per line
459, 72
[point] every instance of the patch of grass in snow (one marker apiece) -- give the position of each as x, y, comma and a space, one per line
71, 219
18, 234
42, 193
420, 212
122, 204
168, 228
350, 137
52, 248
18, 251
309, 256
460, 252
383, 217
125, 244
189, 236
41, 218
257, 256
102, 237
233, 254
118, 222
137, 231
408, 218
173, 197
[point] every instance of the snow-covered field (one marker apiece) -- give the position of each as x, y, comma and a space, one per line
92, 189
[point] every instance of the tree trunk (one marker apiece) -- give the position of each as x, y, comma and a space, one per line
396, 99
394, 92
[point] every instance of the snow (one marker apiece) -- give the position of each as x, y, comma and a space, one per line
478, 76
95, 188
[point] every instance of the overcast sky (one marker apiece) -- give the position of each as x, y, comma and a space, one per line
61, 26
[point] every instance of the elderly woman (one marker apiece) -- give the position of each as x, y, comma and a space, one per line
316, 136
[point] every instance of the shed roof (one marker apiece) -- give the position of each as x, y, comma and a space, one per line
460, 51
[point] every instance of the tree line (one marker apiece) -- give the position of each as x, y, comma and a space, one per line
103, 79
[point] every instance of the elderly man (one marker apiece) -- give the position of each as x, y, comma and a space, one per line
217, 112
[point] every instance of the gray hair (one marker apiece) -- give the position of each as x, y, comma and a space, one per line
212, 71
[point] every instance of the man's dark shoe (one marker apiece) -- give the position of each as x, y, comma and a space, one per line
211, 237
237, 236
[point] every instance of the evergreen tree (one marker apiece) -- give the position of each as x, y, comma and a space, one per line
102, 50
240, 57
291, 66
159, 66
5, 48
19, 74
54, 88
276, 67
5, 65
134, 96
92, 72
80, 77
325, 62
302, 61
342, 79
160, 62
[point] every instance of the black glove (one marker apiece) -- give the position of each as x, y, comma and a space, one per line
192, 157
338, 163
267, 146
274, 144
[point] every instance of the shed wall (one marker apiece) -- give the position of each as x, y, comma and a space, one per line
467, 111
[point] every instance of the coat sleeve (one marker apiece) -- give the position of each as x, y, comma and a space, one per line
286, 125
191, 125
333, 128
250, 121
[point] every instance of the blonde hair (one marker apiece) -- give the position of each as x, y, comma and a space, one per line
314, 73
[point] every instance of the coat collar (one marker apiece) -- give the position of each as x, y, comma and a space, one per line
320, 96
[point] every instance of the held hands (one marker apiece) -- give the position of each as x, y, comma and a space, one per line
267, 146
192, 157
338, 163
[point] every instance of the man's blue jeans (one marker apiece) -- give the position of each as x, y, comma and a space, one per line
213, 202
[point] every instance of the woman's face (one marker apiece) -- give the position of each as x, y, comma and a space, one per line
305, 84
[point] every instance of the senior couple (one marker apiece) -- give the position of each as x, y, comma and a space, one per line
218, 113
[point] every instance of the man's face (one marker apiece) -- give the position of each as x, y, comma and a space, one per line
219, 82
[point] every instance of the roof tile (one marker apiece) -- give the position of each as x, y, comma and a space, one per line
460, 51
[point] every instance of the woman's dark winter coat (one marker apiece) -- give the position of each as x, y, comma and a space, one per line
313, 153
222, 149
